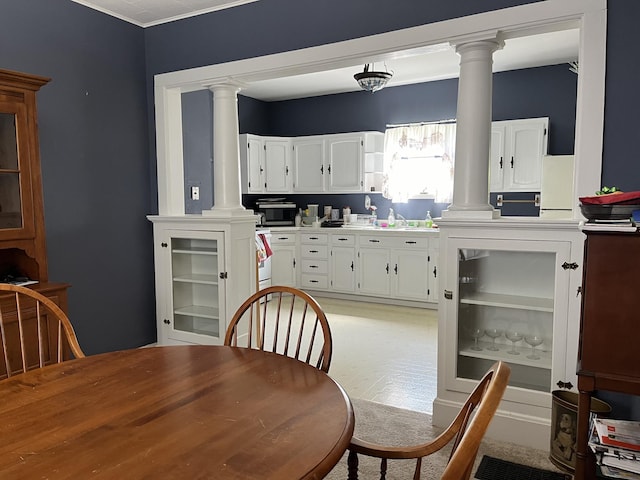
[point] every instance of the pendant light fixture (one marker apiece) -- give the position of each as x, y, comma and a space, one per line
372, 81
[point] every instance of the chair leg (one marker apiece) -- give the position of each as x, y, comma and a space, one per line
352, 464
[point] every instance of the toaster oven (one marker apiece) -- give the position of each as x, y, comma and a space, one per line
277, 214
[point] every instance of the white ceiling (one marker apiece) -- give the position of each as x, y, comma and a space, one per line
436, 62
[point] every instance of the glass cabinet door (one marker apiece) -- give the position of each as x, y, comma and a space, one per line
507, 302
196, 266
15, 205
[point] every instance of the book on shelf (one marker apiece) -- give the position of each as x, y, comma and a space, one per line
610, 225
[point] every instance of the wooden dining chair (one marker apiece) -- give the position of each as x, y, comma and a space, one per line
464, 433
283, 320
35, 331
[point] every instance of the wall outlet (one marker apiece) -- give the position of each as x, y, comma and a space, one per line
195, 193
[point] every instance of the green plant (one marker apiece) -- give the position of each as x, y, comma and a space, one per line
607, 190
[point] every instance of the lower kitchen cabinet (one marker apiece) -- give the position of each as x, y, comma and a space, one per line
343, 263
199, 282
314, 253
284, 265
509, 294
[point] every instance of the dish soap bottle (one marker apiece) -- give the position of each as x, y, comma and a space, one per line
428, 221
392, 218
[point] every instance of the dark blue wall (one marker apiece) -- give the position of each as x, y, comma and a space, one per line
95, 162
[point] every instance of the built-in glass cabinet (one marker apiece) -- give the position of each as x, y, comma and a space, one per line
510, 291
10, 201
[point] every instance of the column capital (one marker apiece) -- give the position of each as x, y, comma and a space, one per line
491, 40
227, 85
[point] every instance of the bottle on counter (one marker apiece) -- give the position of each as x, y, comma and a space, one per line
428, 221
392, 218
298, 220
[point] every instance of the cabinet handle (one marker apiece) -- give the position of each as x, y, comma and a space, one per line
570, 266
313, 266
167, 322
448, 294
329, 169
567, 385
512, 162
373, 240
411, 242
286, 171
395, 269
294, 263
387, 269
223, 275
313, 251
283, 238
352, 266
164, 245
343, 239
313, 281
313, 238
322, 169
500, 163
435, 272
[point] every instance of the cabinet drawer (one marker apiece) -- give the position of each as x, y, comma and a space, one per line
283, 238
420, 243
374, 241
315, 266
313, 238
345, 240
314, 281
314, 251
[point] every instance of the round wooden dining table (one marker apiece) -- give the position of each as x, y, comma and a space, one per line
176, 412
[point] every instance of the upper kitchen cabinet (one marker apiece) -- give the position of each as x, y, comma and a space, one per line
265, 164
517, 148
308, 164
319, 163
22, 236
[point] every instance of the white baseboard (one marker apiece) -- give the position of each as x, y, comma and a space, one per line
511, 427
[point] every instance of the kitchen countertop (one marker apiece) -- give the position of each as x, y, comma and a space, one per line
358, 229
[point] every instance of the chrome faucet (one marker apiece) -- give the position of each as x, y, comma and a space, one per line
402, 222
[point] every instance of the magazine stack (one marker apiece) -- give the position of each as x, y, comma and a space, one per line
616, 445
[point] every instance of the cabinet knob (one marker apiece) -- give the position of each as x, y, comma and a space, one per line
448, 294
167, 322
567, 385
164, 245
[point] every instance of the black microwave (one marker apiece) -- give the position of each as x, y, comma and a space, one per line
276, 214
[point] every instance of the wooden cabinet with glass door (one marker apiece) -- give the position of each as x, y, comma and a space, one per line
22, 237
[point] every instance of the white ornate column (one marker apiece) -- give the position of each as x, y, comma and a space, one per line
227, 196
473, 132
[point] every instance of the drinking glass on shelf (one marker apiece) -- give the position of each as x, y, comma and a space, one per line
513, 336
534, 341
476, 333
493, 333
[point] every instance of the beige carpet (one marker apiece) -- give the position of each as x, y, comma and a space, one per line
394, 426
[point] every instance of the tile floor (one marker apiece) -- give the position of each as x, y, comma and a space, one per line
384, 353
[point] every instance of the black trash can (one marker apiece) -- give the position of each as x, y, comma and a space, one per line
564, 423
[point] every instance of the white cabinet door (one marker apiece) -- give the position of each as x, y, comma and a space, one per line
527, 146
515, 157
345, 162
276, 166
434, 283
343, 272
496, 157
374, 271
410, 274
194, 266
308, 165
252, 163
284, 265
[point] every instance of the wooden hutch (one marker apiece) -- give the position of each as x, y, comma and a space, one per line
22, 235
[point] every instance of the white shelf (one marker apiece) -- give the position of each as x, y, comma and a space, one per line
544, 362
199, 251
198, 311
538, 304
197, 278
